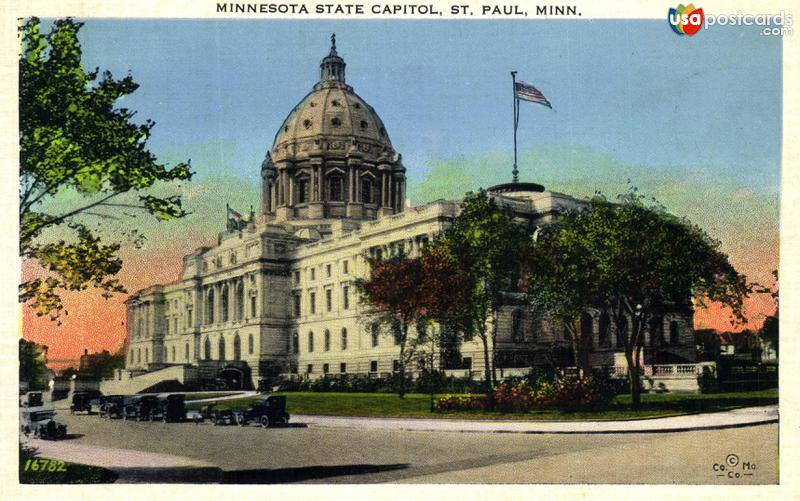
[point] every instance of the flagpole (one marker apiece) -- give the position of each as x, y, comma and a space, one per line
515, 172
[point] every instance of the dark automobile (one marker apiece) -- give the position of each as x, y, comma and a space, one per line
112, 406
217, 417
31, 399
40, 421
271, 411
170, 408
140, 407
82, 401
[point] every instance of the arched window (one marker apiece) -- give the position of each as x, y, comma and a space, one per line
605, 322
147, 355
210, 306
225, 301
302, 190
517, 332
207, 349
327, 340
237, 347
221, 348
374, 331
173, 353
622, 332
587, 333
138, 355
310, 341
656, 326
366, 191
240, 301
296, 343
335, 189
186, 352
250, 344
344, 339
674, 332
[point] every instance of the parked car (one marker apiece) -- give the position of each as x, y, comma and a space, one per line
82, 401
40, 421
271, 411
112, 406
31, 399
140, 407
170, 408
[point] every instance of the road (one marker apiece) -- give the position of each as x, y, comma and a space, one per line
336, 455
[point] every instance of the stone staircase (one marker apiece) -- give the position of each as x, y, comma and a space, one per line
127, 383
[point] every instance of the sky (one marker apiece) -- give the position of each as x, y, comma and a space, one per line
692, 121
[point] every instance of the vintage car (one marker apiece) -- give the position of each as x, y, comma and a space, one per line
271, 411
112, 406
82, 401
140, 407
217, 417
170, 408
40, 421
31, 399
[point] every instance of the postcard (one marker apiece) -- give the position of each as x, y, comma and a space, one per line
440, 243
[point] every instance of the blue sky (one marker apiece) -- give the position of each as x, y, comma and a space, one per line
630, 89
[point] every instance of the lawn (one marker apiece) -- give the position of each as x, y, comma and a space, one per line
417, 405
209, 394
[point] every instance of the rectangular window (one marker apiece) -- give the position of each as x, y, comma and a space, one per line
344, 339
395, 365
325, 368
313, 274
297, 277
310, 368
297, 304
346, 297
466, 363
189, 323
310, 342
373, 366
328, 299
343, 368
313, 302
328, 270
252, 306
344, 267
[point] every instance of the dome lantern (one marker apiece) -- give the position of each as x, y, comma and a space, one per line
332, 67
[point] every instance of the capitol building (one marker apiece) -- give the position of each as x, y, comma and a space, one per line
276, 296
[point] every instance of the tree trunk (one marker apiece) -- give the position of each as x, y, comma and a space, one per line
494, 347
487, 372
634, 379
401, 384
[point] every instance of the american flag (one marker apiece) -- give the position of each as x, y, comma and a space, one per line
528, 92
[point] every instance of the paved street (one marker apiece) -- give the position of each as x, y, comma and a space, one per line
321, 454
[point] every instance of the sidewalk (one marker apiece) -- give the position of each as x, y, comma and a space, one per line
132, 466
730, 419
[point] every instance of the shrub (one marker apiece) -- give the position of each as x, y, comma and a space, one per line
707, 381
460, 403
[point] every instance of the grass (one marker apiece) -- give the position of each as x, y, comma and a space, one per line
72, 473
208, 394
416, 405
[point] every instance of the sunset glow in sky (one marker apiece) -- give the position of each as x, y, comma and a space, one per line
694, 122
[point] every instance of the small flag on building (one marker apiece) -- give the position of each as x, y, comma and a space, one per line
527, 92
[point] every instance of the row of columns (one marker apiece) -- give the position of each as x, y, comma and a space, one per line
282, 190
224, 290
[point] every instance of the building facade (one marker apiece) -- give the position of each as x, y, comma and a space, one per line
277, 294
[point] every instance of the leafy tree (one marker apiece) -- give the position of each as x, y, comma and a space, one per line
636, 259
487, 242
32, 364
75, 144
101, 365
405, 291
554, 273
769, 331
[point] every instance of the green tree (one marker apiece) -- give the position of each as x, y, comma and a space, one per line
487, 242
75, 144
553, 272
32, 364
769, 331
636, 260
